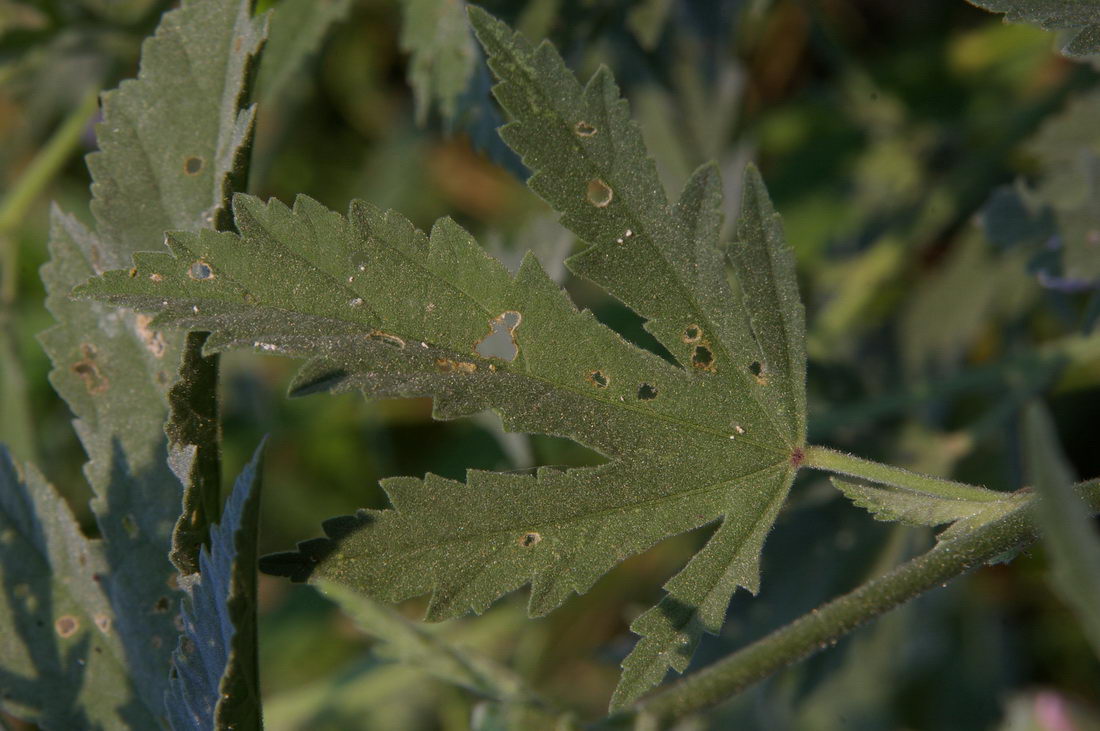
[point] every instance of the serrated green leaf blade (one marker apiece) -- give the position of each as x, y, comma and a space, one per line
62, 664
215, 680
663, 261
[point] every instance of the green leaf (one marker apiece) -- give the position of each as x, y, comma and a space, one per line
298, 27
914, 507
113, 369
215, 683
1067, 530
64, 665
1079, 18
171, 142
442, 54
413, 644
376, 305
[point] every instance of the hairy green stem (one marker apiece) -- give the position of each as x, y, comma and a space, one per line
830, 622
846, 464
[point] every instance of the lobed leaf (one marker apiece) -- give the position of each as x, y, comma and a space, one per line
914, 507
64, 665
215, 678
376, 305
1079, 18
171, 144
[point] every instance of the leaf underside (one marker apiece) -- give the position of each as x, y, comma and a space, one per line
215, 676
1079, 18
64, 665
171, 145
376, 305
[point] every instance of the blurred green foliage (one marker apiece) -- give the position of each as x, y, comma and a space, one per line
884, 130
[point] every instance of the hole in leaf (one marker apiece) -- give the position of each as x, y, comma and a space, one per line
759, 372
599, 193
67, 625
200, 270
598, 379
359, 260
692, 334
584, 129
529, 539
162, 605
500, 342
356, 302
192, 165
647, 392
153, 340
703, 358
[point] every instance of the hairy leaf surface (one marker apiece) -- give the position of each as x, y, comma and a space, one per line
1079, 18
171, 143
376, 305
63, 663
215, 682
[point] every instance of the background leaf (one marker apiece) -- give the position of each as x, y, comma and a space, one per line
1079, 18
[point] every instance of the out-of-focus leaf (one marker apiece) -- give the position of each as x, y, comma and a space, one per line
647, 19
442, 54
62, 664
1079, 18
298, 27
411, 643
215, 676
1067, 529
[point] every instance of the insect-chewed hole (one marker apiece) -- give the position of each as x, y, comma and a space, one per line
598, 379
692, 334
756, 368
529, 539
200, 270
192, 165
647, 392
584, 129
599, 193
702, 357
500, 341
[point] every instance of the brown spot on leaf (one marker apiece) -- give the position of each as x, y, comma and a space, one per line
66, 625
152, 339
387, 338
103, 622
94, 381
446, 365
692, 334
162, 605
584, 129
529, 539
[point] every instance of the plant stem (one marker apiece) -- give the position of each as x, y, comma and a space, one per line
824, 626
846, 464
